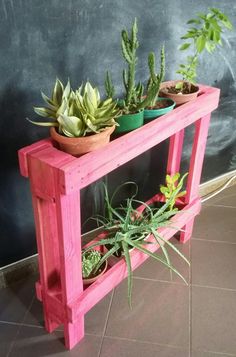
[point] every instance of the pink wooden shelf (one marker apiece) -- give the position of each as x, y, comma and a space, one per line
56, 179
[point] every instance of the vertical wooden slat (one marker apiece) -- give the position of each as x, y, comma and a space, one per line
69, 238
48, 253
175, 152
195, 169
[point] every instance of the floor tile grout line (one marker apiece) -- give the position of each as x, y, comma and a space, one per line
218, 205
216, 352
160, 281
213, 241
212, 287
146, 342
19, 327
106, 321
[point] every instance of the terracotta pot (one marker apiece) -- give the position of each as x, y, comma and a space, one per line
102, 270
177, 98
84, 144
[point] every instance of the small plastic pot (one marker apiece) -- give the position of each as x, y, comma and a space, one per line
129, 122
150, 114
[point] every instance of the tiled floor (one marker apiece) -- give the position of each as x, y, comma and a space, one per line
168, 318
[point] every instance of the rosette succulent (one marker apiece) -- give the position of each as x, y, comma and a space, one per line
77, 113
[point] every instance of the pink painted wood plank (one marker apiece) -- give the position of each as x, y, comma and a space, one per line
197, 157
30, 149
43, 181
95, 292
92, 166
69, 239
42, 165
175, 152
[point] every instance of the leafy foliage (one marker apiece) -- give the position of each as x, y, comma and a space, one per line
205, 33
90, 260
127, 228
77, 113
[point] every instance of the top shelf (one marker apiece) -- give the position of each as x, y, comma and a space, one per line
79, 172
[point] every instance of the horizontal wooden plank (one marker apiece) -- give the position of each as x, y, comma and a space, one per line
95, 292
90, 167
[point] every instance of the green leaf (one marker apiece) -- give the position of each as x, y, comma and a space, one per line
200, 43
44, 112
194, 21
184, 46
42, 123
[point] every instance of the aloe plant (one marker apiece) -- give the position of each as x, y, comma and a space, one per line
127, 228
78, 113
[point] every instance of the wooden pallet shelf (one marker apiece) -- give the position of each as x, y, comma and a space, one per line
56, 179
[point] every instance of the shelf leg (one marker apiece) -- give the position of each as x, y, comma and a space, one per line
195, 169
73, 333
69, 237
175, 152
48, 257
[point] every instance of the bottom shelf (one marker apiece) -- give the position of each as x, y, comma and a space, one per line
115, 274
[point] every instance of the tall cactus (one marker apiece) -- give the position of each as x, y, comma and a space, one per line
155, 79
129, 46
109, 87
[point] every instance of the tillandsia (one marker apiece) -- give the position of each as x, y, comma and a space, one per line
126, 228
172, 190
155, 80
205, 33
77, 113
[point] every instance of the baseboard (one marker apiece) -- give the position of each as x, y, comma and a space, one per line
213, 185
26, 267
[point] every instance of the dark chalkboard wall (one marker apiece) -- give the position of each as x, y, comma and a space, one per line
41, 40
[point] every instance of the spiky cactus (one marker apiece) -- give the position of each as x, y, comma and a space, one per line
129, 46
155, 79
109, 87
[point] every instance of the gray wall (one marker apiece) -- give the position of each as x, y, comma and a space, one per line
41, 40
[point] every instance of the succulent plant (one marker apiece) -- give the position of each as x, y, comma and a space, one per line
172, 189
155, 79
134, 100
90, 260
77, 113
56, 103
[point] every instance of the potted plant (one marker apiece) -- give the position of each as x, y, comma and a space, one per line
204, 34
82, 122
91, 270
126, 227
174, 184
158, 106
133, 104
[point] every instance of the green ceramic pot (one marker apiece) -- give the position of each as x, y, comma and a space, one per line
150, 114
129, 122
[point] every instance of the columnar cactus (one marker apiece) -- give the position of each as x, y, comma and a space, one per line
129, 46
155, 79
